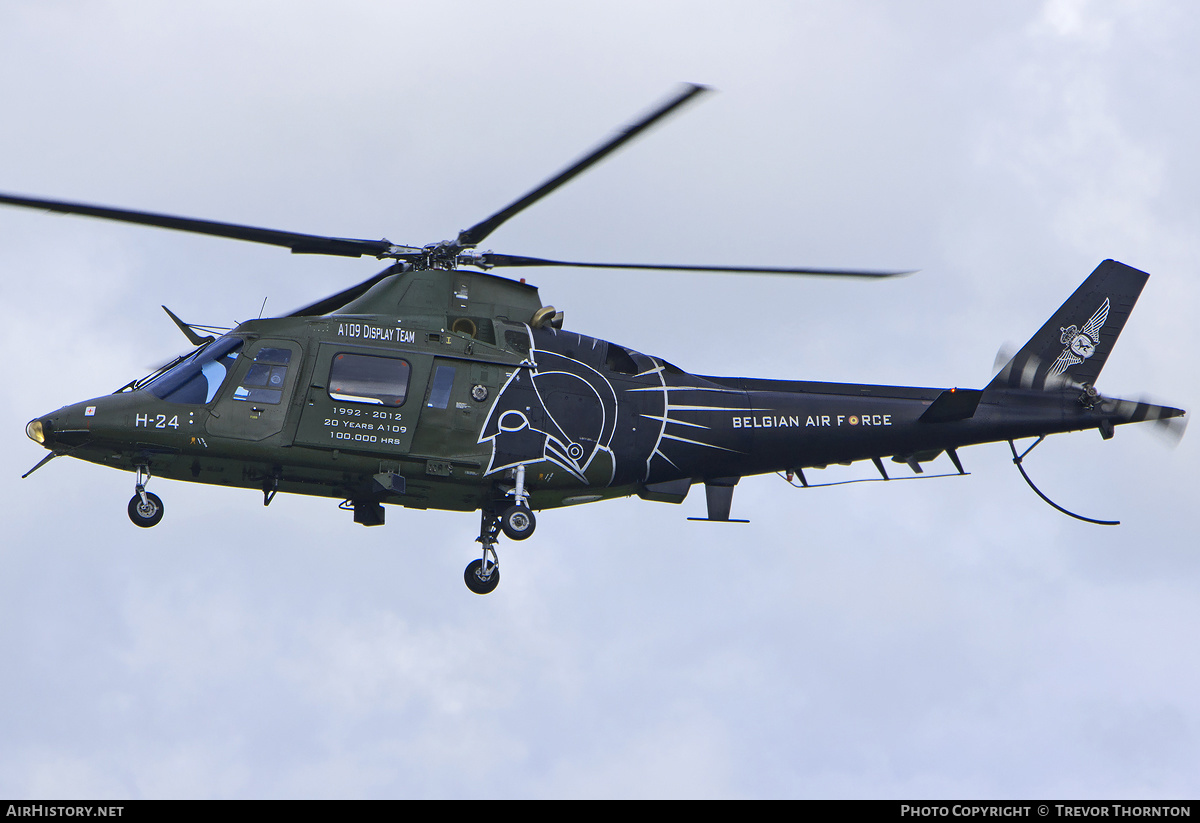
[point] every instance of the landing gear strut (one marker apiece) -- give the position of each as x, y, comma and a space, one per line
145, 508
517, 522
482, 576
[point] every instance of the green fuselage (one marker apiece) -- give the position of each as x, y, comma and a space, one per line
587, 419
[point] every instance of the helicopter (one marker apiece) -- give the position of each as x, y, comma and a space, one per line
437, 384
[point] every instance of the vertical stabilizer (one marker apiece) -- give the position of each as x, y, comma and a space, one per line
1073, 346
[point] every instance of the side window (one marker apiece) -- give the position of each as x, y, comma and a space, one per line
443, 383
365, 378
264, 379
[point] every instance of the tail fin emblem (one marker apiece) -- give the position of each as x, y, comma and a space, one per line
1080, 343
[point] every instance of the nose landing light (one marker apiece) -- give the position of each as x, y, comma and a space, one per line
36, 432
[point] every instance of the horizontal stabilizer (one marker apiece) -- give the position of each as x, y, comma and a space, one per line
952, 404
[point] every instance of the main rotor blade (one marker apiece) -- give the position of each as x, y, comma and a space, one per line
298, 243
500, 260
475, 234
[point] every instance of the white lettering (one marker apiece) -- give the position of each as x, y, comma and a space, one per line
771, 421
364, 332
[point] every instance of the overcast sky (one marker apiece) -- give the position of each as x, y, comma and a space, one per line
951, 637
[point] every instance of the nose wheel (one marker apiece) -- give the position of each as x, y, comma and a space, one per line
145, 508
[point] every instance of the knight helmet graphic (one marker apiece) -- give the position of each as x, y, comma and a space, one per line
561, 411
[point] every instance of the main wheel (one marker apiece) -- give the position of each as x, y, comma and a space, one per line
475, 581
145, 514
518, 522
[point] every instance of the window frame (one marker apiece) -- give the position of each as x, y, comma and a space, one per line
378, 398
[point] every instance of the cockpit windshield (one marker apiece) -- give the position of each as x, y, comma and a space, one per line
197, 379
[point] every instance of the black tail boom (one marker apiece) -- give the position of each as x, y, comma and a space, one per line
1046, 388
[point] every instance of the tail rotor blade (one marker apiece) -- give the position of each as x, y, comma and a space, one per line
1170, 424
1171, 429
1004, 354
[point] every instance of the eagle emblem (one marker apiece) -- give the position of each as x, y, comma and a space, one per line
1080, 343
